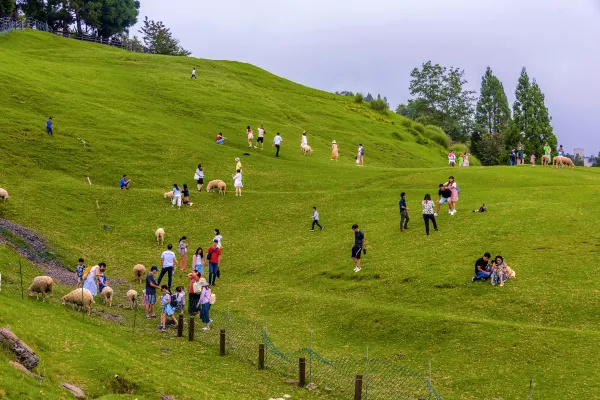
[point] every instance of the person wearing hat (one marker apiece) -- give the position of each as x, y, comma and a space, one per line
334, 151
204, 303
304, 140
238, 164
194, 298
150, 297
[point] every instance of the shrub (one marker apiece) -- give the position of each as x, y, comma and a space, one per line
406, 122
379, 105
437, 135
422, 140
419, 127
460, 148
358, 98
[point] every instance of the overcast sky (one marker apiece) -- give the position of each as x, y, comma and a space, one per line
373, 46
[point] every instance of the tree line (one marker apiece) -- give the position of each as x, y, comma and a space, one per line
102, 18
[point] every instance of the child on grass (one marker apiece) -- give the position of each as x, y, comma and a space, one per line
180, 299
167, 309
79, 272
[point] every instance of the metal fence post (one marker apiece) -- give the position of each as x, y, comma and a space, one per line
261, 356
266, 343
302, 367
222, 342
358, 387
191, 329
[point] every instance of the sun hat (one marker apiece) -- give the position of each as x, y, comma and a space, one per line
202, 280
334, 142
237, 159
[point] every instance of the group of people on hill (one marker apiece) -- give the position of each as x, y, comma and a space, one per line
200, 296
516, 156
92, 278
463, 159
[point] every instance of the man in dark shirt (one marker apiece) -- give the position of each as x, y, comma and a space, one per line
482, 269
151, 287
359, 246
403, 212
444, 195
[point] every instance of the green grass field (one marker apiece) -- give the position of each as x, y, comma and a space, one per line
142, 115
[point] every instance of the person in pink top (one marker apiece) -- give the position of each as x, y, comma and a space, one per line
205, 305
451, 184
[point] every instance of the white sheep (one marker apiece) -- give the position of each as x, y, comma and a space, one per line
160, 235
132, 297
139, 270
222, 187
4, 195
79, 298
169, 195
107, 293
212, 185
41, 284
307, 149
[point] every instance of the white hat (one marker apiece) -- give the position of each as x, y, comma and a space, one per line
237, 159
202, 280
334, 142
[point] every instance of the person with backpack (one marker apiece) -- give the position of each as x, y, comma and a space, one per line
213, 256
206, 299
167, 308
455, 190
150, 295
179, 300
360, 158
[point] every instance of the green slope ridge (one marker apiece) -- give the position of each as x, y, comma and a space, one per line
142, 115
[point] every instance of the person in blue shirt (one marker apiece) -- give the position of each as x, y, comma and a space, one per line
101, 282
561, 151
403, 212
124, 182
49, 126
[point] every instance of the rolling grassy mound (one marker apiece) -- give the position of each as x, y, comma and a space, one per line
141, 115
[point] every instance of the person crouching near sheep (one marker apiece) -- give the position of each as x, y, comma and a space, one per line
79, 272
150, 298
167, 309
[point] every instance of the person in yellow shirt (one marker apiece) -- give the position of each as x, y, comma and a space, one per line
238, 164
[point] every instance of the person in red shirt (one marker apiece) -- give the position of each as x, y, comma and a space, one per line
214, 257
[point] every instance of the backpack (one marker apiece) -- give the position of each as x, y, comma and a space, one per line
457, 189
87, 271
174, 300
362, 151
209, 254
213, 299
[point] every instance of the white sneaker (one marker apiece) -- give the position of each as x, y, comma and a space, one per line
205, 329
255, 147
191, 204
357, 270
435, 215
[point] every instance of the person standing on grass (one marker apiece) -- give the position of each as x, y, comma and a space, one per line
466, 160
237, 182
179, 300
532, 160
198, 260
359, 246
277, 141
90, 282
513, 157
168, 261
451, 158
186, 196
548, 151
304, 141
460, 160
213, 255
428, 214
124, 182
218, 237
238, 164
79, 272
520, 151
482, 269
167, 309
199, 176
360, 158
451, 184
183, 253
205, 305
315, 220
194, 298
49, 126
193, 73
403, 213
250, 136
261, 137
150, 296
176, 196
334, 151
444, 196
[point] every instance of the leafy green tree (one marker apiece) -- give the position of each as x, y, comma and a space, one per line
531, 116
116, 16
492, 113
7, 8
578, 161
446, 102
596, 161
490, 148
160, 40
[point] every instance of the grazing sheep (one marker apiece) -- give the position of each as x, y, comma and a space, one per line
545, 160
307, 149
222, 187
212, 185
4, 195
568, 162
160, 236
132, 297
169, 195
107, 293
139, 270
41, 284
76, 297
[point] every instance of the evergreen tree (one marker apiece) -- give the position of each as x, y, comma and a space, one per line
160, 40
6, 8
368, 98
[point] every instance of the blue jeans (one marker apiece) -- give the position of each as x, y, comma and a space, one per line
199, 268
482, 275
220, 141
164, 271
212, 272
204, 313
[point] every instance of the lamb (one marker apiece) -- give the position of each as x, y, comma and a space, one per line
160, 236
79, 298
568, 162
222, 187
212, 185
169, 195
4, 195
132, 297
307, 149
139, 270
107, 293
41, 284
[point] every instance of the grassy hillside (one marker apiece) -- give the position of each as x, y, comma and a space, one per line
141, 115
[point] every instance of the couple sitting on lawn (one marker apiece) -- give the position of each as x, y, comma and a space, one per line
498, 270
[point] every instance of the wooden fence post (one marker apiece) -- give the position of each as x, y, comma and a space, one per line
261, 356
180, 326
302, 366
222, 343
358, 387
191, 329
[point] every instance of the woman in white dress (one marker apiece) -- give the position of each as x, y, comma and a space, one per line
91, 280
304, 140
237, 182
250, 136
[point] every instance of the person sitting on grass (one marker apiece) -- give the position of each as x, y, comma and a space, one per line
167, 309
482, 270
220, 139
501, 272
124, 182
